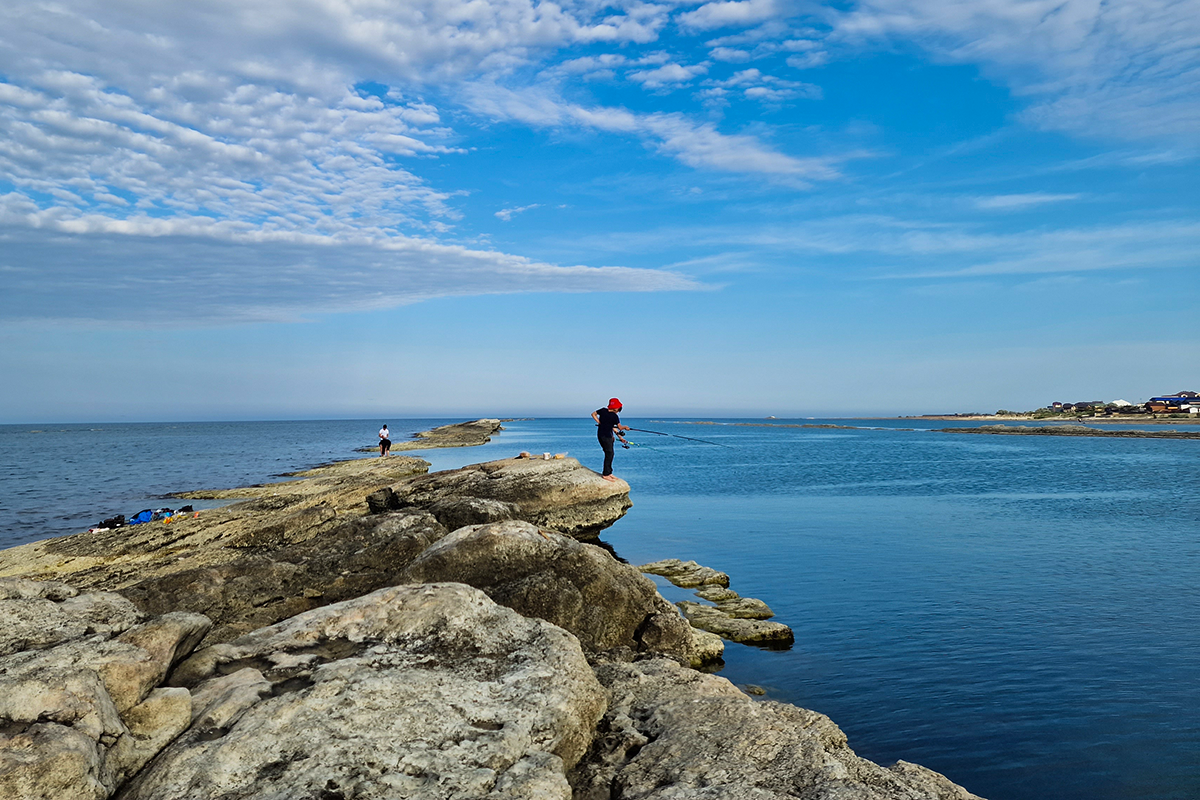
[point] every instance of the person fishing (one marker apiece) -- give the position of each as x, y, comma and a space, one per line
610, 425
385, 440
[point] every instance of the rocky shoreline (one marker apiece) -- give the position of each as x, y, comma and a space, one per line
1071, 430
370, 630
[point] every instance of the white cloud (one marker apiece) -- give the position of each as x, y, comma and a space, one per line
810, 60
1124, 69
145, 271
667, 75
729, 54
506, 214
755, 85
727, 14
698, 144
1018, 201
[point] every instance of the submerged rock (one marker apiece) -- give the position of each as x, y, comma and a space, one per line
544, 574
675, 733
428, 691
686, 574
559, 494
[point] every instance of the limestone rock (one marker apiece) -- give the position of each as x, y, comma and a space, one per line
559, 494
744, 631
687, 574
459, 434
458, 512
80, 708
745, 608
716, 594
574, 585
675, 733
35, 615
298, 515
426, 691
707, 648
731, 603
348, 560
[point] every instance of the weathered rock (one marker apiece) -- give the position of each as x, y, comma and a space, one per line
745, 608
674, 733
707, 648
458, 512
545, 574
559, 493
429, 691
744, 631
459, 434
299, 517
81, 711
35, 615
687, 574
347, 560
716, 594
731, 603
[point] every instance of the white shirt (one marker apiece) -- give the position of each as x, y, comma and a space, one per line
383, 433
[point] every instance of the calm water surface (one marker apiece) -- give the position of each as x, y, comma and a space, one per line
1018, 613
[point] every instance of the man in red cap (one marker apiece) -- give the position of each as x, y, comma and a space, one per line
610, 424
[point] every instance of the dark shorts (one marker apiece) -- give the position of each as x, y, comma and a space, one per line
385, 442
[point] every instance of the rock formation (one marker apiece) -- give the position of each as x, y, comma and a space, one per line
454, 640
736, 629
686, 574
736, 618
559, 494
81, 708
459, 434
544, 574
426, 691
671, 732
290, 547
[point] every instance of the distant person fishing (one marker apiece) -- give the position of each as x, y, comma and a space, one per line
609, 427
385, 441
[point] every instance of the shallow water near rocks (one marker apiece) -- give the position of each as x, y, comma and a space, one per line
1018, 613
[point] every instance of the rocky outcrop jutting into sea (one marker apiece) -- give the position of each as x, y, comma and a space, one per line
557, 493
384, 652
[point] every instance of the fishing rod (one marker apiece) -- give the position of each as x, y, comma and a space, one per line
689, 438
629, 444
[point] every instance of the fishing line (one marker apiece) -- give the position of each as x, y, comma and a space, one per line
676, 436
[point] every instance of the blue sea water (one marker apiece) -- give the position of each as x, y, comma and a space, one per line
1019, 613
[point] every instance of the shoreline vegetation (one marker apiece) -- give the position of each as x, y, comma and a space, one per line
372, 630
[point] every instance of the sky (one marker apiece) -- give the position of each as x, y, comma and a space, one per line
282, 209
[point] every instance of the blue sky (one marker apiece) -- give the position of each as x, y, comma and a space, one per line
269, 209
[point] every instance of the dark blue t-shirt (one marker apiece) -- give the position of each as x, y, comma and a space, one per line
608, 421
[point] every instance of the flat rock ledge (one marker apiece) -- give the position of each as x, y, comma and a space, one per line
559, 493
743, 631
458, 434
686, 574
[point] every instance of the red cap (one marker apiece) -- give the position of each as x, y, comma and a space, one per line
614, 404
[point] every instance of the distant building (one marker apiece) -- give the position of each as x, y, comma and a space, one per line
1174, 403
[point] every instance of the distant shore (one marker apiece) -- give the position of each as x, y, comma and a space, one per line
1114, 419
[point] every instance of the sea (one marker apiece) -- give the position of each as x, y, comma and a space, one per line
1018, 613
